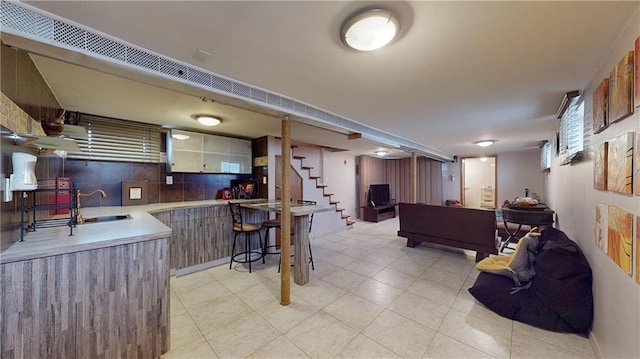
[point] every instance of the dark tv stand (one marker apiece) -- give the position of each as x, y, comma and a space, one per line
379, 213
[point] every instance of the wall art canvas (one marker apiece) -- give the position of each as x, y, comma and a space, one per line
619, 236
621, 89
620, 163
601, 227
600, 104
637, 101
636, 174
638, 250
600, 166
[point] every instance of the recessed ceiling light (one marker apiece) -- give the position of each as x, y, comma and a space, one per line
483, 159
208, 120
381, 153
370, 30
485, 143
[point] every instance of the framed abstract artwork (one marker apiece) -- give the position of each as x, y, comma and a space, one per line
600, 166
638, 250
636, 173
601, 227
620, 163
637, 101
619, 237
621, 89
600, 104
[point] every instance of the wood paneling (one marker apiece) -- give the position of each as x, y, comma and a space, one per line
104, 303
203, 234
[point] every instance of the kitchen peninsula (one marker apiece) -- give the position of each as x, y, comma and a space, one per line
104, 292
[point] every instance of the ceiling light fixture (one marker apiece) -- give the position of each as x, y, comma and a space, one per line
381, 153
485, 143
180, 136
370, 30
208, 120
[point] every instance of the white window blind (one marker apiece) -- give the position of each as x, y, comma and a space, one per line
118, 140
572, 132
545, 157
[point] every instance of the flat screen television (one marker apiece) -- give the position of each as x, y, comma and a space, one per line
379, 195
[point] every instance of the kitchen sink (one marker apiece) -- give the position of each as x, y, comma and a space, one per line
110, 218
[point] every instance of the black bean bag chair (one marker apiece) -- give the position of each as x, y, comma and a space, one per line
559, 296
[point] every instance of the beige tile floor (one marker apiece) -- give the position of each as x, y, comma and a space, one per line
369, 297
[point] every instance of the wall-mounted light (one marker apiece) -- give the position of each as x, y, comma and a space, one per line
485, 143
208, 120
370, 30
381, 153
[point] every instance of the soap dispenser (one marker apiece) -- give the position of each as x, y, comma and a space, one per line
23, 177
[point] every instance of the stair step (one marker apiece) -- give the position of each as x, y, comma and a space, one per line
333, 202
307, 167
314, 177
350, 223
340, 209
328, 194
344, 216
321, 186
299, 157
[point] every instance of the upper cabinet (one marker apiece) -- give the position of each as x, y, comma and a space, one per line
202, 153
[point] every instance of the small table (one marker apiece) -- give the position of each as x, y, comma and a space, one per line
534, 216
300, 213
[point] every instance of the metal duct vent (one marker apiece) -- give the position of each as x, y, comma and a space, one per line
28, 22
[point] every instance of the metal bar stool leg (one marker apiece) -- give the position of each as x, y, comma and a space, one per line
233, 250
247, 253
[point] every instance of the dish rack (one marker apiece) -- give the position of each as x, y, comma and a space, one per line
56, 197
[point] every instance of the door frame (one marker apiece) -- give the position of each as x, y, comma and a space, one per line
464, 175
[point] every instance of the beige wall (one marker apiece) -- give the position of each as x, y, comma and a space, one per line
616, 327
516, 171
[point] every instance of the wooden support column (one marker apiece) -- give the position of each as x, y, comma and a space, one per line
285, 215
414, 177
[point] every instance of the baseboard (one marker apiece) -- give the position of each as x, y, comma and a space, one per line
594, 345
201, 266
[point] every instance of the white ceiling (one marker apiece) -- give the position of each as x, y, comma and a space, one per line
460, 71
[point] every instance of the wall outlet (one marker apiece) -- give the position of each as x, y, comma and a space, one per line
169, 179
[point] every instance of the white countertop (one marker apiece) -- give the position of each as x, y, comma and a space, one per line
142, 227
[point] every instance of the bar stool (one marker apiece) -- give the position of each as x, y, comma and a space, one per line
240, 227
303, 202
272, 223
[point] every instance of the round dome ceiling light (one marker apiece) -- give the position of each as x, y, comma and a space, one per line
208, 120
180, 136
370, 30
485, 143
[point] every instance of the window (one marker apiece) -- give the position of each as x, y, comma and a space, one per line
572, 132
118, 140
545, 156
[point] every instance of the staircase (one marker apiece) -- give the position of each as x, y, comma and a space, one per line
324, 187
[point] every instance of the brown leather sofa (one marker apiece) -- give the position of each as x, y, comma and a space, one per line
466, 228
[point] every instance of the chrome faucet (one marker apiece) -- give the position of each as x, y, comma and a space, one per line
79, 218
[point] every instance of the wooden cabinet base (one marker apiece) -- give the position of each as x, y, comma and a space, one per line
103, 303
379, 213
